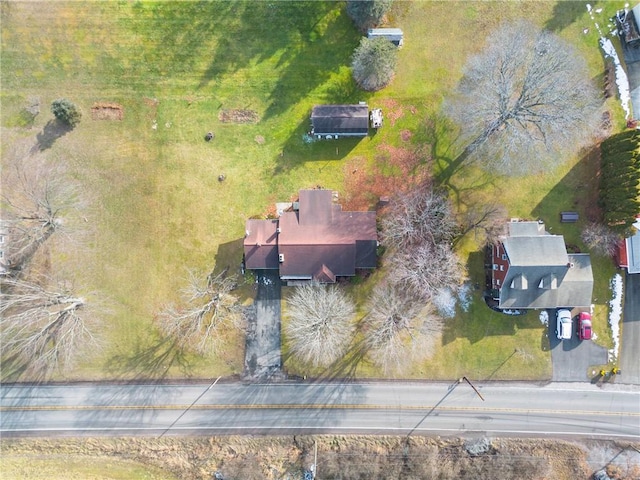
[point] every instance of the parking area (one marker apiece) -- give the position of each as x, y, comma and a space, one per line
572, 358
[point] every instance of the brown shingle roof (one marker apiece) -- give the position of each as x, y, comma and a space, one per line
318, 241
260, 244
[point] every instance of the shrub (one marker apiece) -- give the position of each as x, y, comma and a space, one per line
66, 111
374, 63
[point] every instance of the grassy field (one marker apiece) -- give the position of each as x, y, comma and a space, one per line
157, 205
77, 467
346, 457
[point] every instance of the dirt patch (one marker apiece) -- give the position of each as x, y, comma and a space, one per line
107, 111
238, 116
259, 139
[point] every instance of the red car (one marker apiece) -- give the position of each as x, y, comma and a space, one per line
584, 326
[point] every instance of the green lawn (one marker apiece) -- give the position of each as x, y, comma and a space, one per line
157, 206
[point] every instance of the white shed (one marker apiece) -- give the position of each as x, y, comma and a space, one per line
394, 35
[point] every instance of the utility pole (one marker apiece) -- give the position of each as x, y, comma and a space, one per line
315, 459
474, 388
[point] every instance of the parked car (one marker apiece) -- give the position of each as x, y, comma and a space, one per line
584, 326
563, 324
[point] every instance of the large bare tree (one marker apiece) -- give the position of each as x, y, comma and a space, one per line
426, 269
208, 306
39, 199
422, 215
399, 328
525, 102
320, 323
418, 230
45, 324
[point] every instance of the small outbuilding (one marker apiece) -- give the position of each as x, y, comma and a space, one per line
569, 217
334, 121
394, 35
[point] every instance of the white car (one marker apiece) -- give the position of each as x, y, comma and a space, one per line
564, 325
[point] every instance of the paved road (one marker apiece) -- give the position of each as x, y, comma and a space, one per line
375, 408
630, 335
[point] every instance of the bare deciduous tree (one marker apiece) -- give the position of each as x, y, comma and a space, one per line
426, 269
399, 327
39, 199
601, 239
418, 230
320, 323
419, 216
46, 324
209, 306
525, 100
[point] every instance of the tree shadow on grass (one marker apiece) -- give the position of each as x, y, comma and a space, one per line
15, 368
306, 42
315, 62
52, 131
149, 362
300, 148
565, 13
576, 191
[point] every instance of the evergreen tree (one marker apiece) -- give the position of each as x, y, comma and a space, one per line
66, 112
619, 180
367, 14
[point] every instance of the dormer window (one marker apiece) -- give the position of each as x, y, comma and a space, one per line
519, 282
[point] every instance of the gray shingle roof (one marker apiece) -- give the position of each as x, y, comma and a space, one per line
340, 119
541, 274
536, 251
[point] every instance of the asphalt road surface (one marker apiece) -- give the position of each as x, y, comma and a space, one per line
375, 408
630, 335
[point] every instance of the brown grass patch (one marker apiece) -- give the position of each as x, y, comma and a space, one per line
238, 116
406, 135
107, 111
392, 111
395, 170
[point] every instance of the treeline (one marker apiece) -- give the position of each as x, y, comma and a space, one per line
619, 180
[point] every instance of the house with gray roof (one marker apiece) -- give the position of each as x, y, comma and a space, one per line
314, 239
531, 269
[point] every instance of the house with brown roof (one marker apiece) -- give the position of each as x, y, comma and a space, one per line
313, 240
532, 269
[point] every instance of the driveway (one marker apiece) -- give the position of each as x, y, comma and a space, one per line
630, 334
572, 358
263, 357
632, 61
